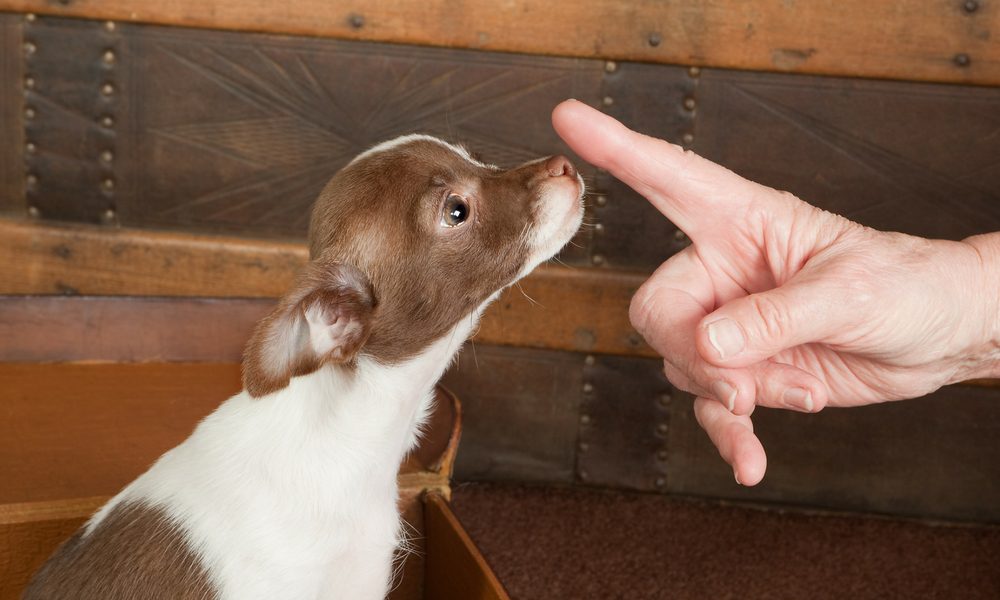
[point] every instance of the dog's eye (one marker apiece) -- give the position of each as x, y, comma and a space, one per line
456, 211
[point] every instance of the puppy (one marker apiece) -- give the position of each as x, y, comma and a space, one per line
288, 490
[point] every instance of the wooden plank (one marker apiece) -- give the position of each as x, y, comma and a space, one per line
26, 545
908, 39
571, 309
521, 412
629, 233
624, 424
11, 116
87, 430
936, 457
77, 430
231, 132
127, 328
907, 157
57, 259
70, 180
455, 569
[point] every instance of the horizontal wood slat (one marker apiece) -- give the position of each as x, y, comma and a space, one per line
556, 307
908, 39
86, 430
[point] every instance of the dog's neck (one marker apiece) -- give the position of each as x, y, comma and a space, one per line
378, 405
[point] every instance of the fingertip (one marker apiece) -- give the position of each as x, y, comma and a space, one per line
749, 460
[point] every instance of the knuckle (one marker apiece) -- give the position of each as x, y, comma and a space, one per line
642, 307
771, 318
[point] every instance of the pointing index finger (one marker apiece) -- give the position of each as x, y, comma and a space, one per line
692, 192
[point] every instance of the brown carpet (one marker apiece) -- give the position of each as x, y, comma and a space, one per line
578, 544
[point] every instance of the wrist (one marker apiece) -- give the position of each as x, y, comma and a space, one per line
983, 360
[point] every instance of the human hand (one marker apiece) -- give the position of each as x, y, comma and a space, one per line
777, 303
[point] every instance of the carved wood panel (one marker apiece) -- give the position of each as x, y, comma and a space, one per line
240, 132
918, 158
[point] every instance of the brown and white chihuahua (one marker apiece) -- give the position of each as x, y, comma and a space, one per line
288, 490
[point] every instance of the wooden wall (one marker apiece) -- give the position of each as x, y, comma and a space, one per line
174, 151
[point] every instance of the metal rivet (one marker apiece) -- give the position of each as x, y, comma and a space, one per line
607, 101
107, 89
634, 339
107, 156
654, 39
29, 48
661, 454
597, 259
356, 21
962, 60
588, 388
687, 138
599, 228
110, 26
107, 121
108, 57
33, 212
29, 82
30, 148
31, 179
664, 400
585, 419
583, 475
29, 113
30, 17
109, 216
108, 185
589, 360
680, 236
689, 103
694, 71
601, 200
660, 482
970, 6
584, 446
610, 66
662, 428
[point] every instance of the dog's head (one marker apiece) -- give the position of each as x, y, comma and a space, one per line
405, 241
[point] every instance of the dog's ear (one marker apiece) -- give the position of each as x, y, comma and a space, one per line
326, 318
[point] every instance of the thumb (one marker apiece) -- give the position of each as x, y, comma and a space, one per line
753, 328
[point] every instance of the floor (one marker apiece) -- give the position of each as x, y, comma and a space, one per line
581, 544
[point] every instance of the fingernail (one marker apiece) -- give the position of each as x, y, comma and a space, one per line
798, 398
737, 477
725, 393
726, 337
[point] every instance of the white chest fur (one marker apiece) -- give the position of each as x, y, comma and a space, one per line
293, 495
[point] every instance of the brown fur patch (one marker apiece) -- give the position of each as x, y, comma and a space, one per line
135, 552
279, 348
382, 214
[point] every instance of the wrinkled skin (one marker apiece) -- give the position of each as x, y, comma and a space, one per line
777, 303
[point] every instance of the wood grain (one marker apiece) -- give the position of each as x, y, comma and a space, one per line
11, 110
81, 430
127, 329
908, 39
556, 307
455, 569
933, 457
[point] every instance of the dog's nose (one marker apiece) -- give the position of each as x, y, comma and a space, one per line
560, 165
